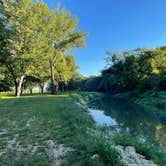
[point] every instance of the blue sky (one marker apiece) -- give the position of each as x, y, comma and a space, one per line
115, 25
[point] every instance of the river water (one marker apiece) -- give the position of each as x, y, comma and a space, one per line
143, 122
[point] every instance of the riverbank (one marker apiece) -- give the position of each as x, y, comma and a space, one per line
123, 138
155, 99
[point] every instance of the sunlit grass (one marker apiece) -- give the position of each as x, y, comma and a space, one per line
27, 95
32, 120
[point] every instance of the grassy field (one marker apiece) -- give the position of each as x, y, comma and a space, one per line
46, 130
50, 130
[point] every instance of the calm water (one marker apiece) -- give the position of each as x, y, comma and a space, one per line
101, 119
147, 123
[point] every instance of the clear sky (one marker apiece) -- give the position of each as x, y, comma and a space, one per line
115, 25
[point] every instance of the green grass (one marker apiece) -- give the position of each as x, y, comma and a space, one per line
30, 121
33, 120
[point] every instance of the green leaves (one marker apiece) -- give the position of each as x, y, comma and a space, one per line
133, 69
36, 35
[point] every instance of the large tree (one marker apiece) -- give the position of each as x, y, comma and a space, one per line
64, 70
23, 39
66, 38
35, 35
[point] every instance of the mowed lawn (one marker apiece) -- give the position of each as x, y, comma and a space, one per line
41, 130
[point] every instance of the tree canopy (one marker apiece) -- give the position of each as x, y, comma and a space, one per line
34, 42
136, 70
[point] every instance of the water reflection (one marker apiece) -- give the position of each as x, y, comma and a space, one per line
145, 122
101, 119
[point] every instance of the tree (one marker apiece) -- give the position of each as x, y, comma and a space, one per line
23, 40
36, 33
5, 80
141, 69
66, 38
65, 70
40, 72
29, 83
77, 82
42, 75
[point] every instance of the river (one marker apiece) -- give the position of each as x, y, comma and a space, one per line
143, 122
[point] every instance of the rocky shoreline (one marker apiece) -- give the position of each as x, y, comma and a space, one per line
131, 158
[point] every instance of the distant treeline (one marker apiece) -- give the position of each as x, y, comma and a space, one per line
140, 70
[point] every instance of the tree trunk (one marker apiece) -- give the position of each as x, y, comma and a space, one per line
19, 86
53, 89
60, 87
16, 88
63, 87
67, 87
42, 89
57, 86
22, 90
10, 69
31, 90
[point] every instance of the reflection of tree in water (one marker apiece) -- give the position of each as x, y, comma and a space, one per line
160, 133
141, 121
